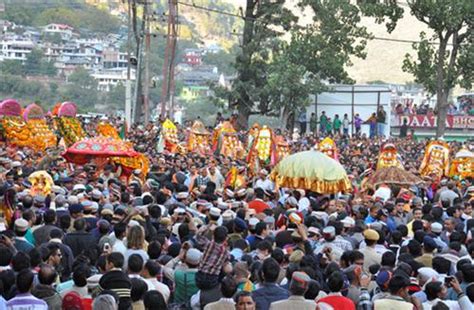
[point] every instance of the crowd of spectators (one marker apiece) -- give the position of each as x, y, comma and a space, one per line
183, 239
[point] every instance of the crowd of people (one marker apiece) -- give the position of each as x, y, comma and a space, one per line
463, 106
182, 238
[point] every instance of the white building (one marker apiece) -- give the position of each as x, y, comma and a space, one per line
107, 79
15, 49
65, 31
351, 100
112, 58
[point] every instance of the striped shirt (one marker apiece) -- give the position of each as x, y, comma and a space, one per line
215, 255
119, 282
26, 302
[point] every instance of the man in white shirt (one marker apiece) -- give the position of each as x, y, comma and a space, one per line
149, 273
436, 292
119, 232
263, 182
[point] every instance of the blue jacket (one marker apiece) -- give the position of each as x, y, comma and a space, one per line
23, 245
268, 293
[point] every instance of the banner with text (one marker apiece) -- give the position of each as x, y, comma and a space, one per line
425, 121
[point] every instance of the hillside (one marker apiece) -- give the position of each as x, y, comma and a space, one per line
384, 59
73, 13
383, 62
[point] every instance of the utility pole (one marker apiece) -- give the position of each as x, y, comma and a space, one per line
128, 85
168, 64
174, 39
146, 87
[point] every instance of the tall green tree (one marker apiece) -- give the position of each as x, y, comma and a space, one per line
447, 58
319, 51
265, 22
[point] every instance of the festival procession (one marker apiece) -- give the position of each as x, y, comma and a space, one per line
236, 155
94, 216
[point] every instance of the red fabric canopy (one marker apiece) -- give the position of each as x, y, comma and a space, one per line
86, 150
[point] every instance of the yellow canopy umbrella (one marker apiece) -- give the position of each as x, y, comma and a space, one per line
311, 170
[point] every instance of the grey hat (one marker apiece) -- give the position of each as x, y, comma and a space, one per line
60, 199
292, 201
193, 256
437, 228
108, 206
96, 194
417, 201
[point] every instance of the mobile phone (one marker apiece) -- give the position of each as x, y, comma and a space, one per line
106, 246
448, 280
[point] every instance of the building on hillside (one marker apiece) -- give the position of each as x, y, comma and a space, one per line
32, 34
192, 57
93, 52
200, 76
66, 66
114, 59
212, 48
15, 49
107, 79
196, 82
65, 31
6, 26
53, 51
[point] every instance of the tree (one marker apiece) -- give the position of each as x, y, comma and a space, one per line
32, 65
116, 96
54, 38
265, 22
82, 89
11, 66
320, 51
447, 59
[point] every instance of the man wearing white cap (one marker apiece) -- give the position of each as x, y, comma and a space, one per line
20, 242
436, 230
263, 182
182, 270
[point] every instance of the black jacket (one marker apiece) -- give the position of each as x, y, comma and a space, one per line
80, 241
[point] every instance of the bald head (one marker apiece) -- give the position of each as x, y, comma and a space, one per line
47, 275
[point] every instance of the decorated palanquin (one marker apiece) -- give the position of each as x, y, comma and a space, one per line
198, 139
41, 135
14, 128
67, 124
462, 165
226, 142
101, 150
129, 164
168, 137
388, 157
41, 183
283, 147
263, 151
107, 130
436, 160
328, 147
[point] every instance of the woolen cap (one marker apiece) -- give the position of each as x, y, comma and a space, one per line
300, 279
21, 224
